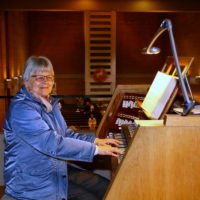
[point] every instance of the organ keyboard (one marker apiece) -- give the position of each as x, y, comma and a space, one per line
121, 137
125, 136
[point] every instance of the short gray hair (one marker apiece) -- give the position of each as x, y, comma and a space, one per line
34, 64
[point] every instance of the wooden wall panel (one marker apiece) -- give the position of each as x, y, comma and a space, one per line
14, 48
17, 43
17, 47
70, 86
186, 28
135, 31
3, 72
60, 37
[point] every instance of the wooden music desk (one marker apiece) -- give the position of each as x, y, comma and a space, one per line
162, 163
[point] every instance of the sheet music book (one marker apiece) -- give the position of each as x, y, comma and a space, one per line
150, 122
158, 95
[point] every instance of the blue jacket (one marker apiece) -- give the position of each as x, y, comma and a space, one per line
38, 144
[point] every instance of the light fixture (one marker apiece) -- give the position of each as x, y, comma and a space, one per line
15, 78
167, 25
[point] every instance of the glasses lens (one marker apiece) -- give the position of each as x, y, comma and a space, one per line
49, 78
43, 78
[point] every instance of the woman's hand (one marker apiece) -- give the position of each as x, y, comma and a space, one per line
108, 150
107, 141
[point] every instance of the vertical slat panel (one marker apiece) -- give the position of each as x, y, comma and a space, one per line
100, 64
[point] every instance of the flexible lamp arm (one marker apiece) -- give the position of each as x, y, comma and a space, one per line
167, 25
148, 50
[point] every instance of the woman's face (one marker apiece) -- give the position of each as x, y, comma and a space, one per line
41, 83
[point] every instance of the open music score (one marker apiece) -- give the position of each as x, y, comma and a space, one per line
162, 89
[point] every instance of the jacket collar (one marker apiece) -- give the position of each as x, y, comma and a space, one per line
23, 93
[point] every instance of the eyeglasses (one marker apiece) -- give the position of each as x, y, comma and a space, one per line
41, 78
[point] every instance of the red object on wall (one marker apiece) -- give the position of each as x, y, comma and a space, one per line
100, 75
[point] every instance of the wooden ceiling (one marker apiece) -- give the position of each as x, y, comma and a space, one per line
118, 5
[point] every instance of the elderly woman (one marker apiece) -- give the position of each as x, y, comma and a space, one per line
38, 144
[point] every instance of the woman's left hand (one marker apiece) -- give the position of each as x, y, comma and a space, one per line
107, 141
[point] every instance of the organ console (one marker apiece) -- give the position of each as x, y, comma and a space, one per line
123, 114
162, 157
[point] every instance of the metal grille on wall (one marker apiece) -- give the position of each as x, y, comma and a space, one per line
100, 58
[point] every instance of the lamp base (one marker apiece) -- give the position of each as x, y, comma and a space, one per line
188, 107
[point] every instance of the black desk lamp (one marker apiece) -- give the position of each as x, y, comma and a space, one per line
167, 25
